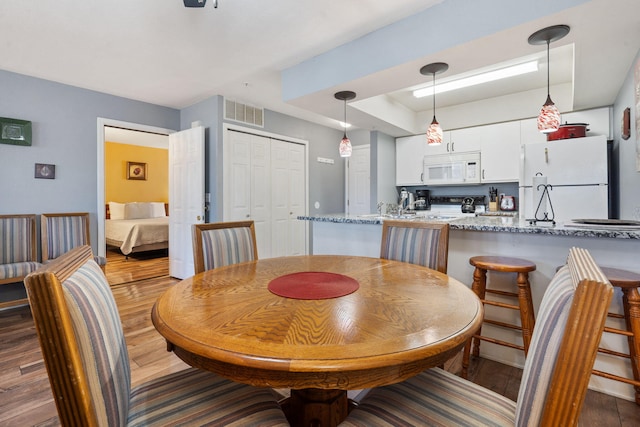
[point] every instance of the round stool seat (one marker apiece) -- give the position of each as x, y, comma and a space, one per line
502, 263
622, 278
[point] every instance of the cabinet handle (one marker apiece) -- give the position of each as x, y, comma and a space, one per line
546, 155
447, 147
482, 173
422, 177
452, 148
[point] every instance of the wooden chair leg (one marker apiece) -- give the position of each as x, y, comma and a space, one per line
631, 305
527, 316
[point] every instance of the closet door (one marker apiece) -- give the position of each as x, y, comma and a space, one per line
249, 185
261, 193
287, 198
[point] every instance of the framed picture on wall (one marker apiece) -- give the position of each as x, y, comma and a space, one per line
136, 170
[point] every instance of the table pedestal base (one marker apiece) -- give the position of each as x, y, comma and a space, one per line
316, 408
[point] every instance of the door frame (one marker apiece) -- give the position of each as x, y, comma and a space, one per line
100, 193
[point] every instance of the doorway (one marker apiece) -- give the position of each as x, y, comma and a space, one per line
100, 168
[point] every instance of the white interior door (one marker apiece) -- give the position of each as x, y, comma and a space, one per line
288, 198
248, 186
359, 181
186, 197
266, 180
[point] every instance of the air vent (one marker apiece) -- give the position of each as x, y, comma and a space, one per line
239, 112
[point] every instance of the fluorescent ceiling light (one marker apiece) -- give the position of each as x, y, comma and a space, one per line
490, 76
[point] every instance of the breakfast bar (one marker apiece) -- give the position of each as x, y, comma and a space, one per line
545, 245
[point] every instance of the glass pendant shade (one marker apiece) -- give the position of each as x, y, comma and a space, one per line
434, 133
345, 147
549, 117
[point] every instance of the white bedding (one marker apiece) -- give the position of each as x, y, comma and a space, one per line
131, 233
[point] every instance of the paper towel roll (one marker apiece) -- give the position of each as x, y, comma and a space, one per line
539, 181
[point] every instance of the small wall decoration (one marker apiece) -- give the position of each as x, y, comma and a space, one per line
44, 171
136, 170
626, 123
15, 131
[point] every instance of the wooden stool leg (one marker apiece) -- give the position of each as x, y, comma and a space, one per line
631, 305
478, 287
527, 316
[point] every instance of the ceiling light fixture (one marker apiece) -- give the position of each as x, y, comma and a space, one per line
434, 133
345, 145
490, 76
549, 117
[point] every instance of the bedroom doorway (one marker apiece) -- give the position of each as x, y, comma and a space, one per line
145, 264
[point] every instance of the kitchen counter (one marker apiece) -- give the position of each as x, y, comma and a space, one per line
491, 223
545, 245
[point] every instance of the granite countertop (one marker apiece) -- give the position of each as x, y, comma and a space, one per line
507, 224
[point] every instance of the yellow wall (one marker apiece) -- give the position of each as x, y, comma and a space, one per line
119, 189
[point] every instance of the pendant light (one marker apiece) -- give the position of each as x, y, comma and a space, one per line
345, 144
549, 117
434, 132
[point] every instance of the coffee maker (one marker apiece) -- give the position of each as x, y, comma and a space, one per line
422, 202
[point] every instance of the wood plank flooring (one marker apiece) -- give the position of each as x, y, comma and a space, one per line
25, 395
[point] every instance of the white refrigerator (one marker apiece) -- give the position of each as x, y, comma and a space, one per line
575, 173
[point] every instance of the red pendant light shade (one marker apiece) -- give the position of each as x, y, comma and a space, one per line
345, 148
434, 132
549, 117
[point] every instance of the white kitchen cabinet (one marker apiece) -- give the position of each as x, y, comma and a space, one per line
598, 120
467, 139
529, 132
444, 148
500, 152
410, 151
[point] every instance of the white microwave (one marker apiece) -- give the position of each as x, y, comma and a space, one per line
452, 169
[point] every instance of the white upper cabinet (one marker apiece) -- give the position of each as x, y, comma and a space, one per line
410, 151
467, 139
500, 152
443, 148
529, 132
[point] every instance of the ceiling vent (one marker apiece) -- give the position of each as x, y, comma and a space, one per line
239, 112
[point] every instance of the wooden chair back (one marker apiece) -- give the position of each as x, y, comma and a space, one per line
417, 242
81, 338
564, 344
223, 243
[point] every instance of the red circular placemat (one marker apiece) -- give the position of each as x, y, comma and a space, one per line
313, 285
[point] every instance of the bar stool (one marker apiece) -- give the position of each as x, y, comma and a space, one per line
525, 304
629, 283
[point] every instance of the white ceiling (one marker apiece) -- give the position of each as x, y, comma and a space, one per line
160, 52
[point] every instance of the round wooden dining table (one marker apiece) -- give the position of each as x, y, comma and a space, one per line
393, 321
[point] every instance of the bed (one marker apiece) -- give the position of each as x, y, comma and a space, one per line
137, 226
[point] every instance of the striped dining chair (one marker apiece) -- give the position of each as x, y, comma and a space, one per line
86, 357
555, 376
61, 232
417, 242
18, 252
223, 243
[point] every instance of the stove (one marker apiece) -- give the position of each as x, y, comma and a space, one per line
450, 207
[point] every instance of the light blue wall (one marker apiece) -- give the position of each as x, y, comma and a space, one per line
64, 120
627, 151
